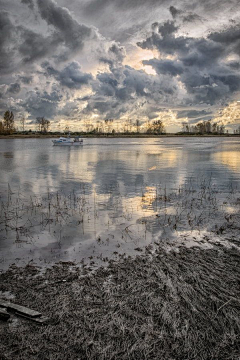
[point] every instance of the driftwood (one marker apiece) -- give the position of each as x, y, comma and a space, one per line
39, 320
21, 310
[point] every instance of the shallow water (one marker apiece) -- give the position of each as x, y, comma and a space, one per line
108, 188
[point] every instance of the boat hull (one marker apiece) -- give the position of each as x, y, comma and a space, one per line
65, 144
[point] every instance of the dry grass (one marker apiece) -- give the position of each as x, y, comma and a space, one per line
176, 305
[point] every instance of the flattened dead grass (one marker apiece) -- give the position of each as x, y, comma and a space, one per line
175, 305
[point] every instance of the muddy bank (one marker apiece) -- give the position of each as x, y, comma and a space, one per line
181, 304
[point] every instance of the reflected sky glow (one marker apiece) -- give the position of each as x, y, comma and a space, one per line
230, 159
119, 184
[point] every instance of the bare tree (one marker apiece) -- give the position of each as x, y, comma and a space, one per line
156, 127
221, 129
185, 127
99, 127
109, 124
137, 124
8, 121
22, 122
208, 127
1, 127
128, 126
88, 125
43, 124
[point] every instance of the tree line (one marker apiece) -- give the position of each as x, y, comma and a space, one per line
204, 127
109, 126
7, 126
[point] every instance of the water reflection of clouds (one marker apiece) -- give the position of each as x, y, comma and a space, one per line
79, 165
230, 159
149, 161
120, 182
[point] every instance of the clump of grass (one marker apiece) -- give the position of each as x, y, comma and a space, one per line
175, 305
25, 216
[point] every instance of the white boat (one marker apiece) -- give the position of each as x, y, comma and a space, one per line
62, 141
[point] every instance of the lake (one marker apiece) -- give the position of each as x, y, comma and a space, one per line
111, 197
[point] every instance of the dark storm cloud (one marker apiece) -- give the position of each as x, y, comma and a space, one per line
184, 16
127, 85
22, 48
69, 109
193, 113
122, 20
191, 50
108, 108
211, 87
71, 76
69, 30
29, 3
200, 62
26, 79
235, 65
169, 67
7, 42
19, 45
126, 89
14, 88
191, 69
202, 53
174, 11
227, 36
106, 84
167, 28
36, 46
164, 39
42, 103
114, 55
136, 82
116, 92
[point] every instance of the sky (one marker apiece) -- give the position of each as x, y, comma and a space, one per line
74, 61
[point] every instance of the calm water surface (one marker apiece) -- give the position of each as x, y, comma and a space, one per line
107, 186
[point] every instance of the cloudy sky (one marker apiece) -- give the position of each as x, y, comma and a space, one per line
89, 60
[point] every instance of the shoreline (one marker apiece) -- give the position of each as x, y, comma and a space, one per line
47, 136
170, 305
